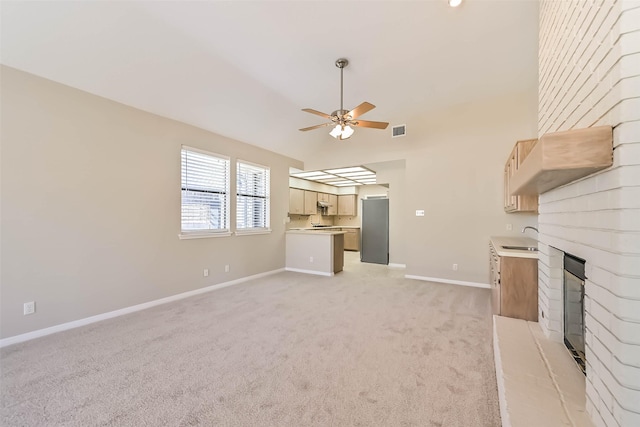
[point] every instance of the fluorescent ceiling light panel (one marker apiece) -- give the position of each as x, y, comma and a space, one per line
346, 170
341, 177
357, 174
309, 174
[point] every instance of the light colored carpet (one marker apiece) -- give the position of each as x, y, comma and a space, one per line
364, 348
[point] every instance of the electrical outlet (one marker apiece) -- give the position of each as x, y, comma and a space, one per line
455, 267
509, 227
205, 273
226, 268
310, 259
29, 307
420, 212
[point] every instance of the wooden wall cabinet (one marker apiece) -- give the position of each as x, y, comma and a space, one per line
310, 202
296, 201
332, 200
528, 203
347, 205
303, 202
514, 286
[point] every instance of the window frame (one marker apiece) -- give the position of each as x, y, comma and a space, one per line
267, 199
225, 211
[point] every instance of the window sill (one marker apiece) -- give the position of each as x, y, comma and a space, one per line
187, 236
252, 232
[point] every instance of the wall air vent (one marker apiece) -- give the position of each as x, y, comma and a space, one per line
397, 131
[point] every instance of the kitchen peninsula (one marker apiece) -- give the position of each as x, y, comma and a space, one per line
315, 251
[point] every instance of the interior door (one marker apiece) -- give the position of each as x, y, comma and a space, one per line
375, 231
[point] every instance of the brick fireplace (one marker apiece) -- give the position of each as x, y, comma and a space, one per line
589, 75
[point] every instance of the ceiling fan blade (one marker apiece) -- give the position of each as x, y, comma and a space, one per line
316, 127
317, 113
369, 124
360, 110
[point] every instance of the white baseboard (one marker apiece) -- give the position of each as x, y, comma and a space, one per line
452, 282
317, 273
394, 265
111, 314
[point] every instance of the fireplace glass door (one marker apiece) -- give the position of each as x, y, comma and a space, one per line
574, 309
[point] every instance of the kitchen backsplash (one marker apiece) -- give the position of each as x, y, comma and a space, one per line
304, 221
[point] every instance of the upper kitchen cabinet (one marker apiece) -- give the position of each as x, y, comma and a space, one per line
331, 200
333, 205
347, 204
310, 202
296, 201
303, 202
521, 203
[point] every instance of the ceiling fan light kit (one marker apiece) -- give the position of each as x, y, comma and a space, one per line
344, 119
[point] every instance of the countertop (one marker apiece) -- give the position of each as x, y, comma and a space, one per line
331, 227
316, 231
499, 241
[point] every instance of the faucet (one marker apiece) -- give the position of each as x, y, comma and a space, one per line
528, 226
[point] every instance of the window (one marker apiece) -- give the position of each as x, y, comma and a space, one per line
205, 193
252, 213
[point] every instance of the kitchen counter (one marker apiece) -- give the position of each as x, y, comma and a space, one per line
318, 251
318, 231
499, 241
330, 227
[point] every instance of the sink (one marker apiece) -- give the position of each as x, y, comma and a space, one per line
521, 248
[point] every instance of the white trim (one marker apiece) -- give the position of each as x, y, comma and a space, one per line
111, 314
452, 282
205, 152
249, 231
300, 270
394, 265
187, 236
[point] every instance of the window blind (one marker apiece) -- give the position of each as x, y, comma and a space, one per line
205, 191
252, 212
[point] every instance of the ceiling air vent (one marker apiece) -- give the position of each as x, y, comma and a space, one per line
397, 131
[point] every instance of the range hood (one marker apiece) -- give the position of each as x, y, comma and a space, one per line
323, 204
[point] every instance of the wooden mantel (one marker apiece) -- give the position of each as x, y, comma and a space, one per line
562, 157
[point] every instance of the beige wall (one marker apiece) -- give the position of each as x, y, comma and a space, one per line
453, 163
91, 207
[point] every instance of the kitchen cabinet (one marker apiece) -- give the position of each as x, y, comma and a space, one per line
296, 201
303, 202
351, 239
331, 200
347, 205
514, 285
310, 202
520, 203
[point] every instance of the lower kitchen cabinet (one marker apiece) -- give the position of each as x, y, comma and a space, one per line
351, 239
514, 286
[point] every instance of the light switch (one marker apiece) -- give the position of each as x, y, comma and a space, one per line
420, 212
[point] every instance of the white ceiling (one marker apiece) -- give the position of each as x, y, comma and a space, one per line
245, 69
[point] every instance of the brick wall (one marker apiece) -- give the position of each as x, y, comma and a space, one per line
589, 75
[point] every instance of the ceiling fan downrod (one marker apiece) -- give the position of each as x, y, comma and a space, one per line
341, 63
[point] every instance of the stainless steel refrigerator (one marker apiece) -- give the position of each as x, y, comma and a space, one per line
375, 231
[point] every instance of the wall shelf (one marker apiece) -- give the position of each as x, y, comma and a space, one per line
562, 157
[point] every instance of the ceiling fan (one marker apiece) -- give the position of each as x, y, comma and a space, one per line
343, 119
